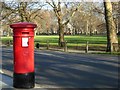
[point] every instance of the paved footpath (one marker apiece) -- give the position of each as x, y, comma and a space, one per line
68, 70
7, 82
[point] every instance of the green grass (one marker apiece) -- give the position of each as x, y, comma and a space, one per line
73, 39
44, 39
97, 43
6, 39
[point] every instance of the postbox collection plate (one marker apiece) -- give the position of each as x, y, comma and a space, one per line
25, 42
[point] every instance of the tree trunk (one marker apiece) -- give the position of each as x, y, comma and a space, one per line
111, 29
22, 12
61, 34
86, 32
59, 14
76, 32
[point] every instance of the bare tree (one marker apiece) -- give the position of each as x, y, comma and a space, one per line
23, 10
62, 17
111, 28
86, 20
20, 12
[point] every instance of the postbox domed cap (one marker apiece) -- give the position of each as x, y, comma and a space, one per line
23, 24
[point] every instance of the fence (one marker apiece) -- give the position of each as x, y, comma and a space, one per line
85, 46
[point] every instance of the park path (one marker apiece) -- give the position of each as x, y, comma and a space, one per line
69, 70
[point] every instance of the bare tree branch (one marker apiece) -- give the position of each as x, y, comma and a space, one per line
50, 4
98, 10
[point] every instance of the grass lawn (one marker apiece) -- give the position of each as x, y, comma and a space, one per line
77, 40
73, 39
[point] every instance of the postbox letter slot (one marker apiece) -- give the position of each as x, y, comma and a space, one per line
25, 32
25, 42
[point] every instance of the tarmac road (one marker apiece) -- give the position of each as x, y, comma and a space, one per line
69, 70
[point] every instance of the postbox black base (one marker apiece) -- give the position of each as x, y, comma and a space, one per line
25, 81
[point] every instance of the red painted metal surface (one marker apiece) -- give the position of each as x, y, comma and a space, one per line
23, 47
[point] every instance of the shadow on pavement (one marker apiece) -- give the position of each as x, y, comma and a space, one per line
76, 71
6, 81
64, 70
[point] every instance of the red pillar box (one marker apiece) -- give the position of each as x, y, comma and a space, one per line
23, 47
